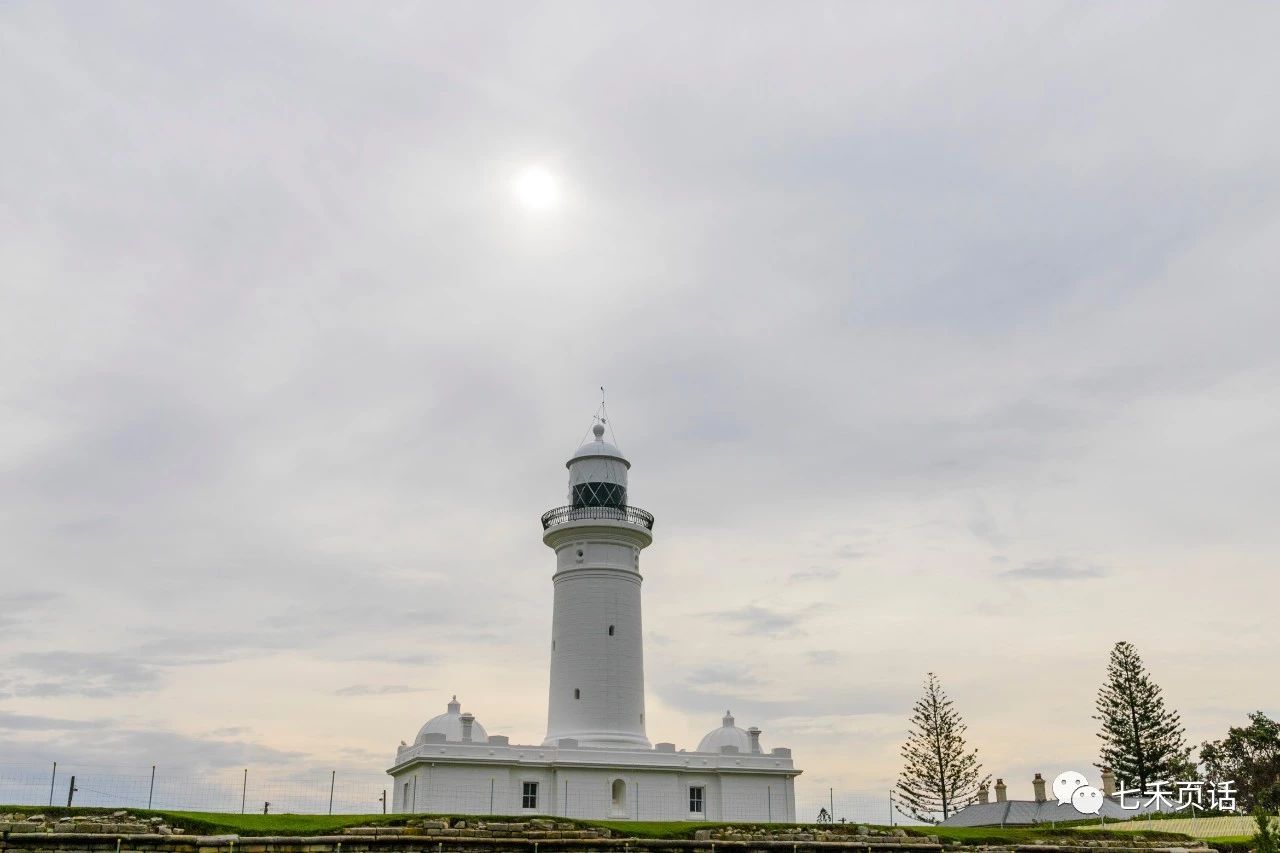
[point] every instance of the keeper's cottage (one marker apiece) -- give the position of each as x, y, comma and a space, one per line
596, 760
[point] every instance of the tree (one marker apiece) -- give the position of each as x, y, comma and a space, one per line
1250, 757
940, 775
1142, 741
1266, 840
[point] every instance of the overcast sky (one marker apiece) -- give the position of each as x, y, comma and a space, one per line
941, 338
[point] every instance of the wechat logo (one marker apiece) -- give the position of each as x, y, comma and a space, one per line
1071, 787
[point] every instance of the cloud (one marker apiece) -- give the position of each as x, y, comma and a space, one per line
753, 619
735, 676
33, 723
824, 657
92, 674
376, 690
816, 573
286, 390
1056, 569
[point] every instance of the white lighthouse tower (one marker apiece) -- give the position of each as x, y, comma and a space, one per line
597, 654
596, 760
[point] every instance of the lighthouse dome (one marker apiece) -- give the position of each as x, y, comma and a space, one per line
727, 735
450, 725
598, 473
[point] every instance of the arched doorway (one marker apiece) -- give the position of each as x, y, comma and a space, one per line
619, 798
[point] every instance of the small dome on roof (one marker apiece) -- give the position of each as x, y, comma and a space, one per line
449, 724
598, 447
727, 735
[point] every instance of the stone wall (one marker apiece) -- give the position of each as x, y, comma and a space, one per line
120, 832
119, 822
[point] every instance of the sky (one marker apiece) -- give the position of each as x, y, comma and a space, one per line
942, 338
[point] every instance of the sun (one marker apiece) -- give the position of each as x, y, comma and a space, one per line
536, 189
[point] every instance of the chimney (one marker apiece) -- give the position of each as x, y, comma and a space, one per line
1037, 784
1108, 782
984, 793
1001, 791
754, 734
467, 720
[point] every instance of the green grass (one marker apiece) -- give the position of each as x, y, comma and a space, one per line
656, 829
211, 823
1231, 843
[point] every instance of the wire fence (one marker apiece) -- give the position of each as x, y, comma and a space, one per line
1212, 826
836, 806
231, 791
345, 791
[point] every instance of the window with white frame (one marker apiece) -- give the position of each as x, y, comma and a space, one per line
529, 795
696, 796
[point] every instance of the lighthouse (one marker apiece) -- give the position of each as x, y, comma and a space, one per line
597, 651
595, 760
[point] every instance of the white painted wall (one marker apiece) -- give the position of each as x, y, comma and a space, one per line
648, 793
596, 693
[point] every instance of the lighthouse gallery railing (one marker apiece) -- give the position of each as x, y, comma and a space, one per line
566, 514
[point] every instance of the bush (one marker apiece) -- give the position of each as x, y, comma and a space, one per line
1265, 841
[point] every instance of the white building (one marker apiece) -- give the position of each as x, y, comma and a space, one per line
596, 760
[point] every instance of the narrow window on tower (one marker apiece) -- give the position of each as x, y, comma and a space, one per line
577, 694
529, 795
695, 799
610, 630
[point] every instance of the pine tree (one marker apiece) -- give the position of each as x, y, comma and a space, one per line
940, 775
1142, 741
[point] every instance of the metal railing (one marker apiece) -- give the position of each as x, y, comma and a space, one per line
566, 514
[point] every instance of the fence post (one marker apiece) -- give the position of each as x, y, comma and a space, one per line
52, 782
244, 788
151, 791
333, 775
71, 791
831, 801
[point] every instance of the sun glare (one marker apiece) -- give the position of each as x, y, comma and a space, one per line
536, 189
